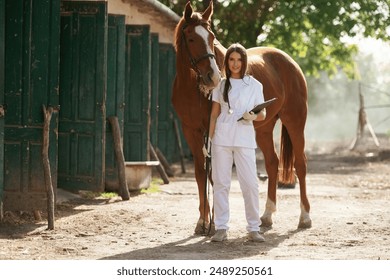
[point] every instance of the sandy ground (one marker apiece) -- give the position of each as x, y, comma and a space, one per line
349, 194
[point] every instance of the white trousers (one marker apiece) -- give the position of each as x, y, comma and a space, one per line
245, 162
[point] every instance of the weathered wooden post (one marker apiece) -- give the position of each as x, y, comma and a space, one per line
47, 113
120, 158
362, 122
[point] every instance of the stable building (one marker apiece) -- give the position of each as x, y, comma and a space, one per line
84, 62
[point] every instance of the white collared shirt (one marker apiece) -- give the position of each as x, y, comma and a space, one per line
244, 94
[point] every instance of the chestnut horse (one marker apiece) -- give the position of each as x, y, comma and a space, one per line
199, 56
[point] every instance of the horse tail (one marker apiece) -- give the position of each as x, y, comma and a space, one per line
286, 163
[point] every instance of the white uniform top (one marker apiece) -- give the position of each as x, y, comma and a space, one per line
244, 94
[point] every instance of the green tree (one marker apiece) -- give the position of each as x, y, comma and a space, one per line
313, 32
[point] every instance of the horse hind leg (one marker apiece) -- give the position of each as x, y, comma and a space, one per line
300, 164
300, 167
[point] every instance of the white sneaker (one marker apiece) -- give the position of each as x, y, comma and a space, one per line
219, 236
255, 236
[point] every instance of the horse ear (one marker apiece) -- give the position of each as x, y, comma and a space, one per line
208, 12
188, 11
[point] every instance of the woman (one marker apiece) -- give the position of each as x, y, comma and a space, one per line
234, 141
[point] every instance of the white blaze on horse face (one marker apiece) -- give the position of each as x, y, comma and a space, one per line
204, 34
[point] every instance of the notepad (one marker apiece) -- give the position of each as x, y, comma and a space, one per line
260, 107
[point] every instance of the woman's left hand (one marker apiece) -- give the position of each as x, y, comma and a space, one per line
249, 116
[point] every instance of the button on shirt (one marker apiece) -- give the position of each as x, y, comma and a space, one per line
244, 94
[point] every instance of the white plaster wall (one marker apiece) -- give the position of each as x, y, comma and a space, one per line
133, 16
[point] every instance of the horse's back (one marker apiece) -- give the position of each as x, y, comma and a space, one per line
275, 58
270, 52
282, 78
277, 70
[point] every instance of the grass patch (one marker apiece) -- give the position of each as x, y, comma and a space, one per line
94, 195
108, 195
154, 186
89, 194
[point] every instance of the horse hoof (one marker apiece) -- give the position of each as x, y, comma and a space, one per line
262, 177
211, 231
266, 222
286, 185
304, 223
203, 228
200, 228
264, 229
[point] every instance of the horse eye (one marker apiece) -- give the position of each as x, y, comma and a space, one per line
191, 40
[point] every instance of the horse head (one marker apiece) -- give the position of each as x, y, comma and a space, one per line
195, 41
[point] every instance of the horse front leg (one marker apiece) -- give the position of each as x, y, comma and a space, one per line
195, 141
204, 225
265, 142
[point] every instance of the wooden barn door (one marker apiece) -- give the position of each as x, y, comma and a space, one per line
83, 68
115, 101
166, 132
137, 93
154, 89
2, 47
31, 81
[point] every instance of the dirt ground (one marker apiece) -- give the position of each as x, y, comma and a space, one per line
349, 193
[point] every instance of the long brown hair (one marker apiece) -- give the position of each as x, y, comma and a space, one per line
236, 47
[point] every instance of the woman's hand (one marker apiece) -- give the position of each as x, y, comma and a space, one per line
206, 151
249, 116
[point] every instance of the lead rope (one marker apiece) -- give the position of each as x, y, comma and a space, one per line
207, 167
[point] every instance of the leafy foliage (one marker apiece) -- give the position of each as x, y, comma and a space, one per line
313, 32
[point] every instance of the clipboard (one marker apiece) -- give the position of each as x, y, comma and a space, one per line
260, 107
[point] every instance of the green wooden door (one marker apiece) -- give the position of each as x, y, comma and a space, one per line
2, 46
137, 93
166, 134
115, 100
31, 80
83, 68
155, 89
